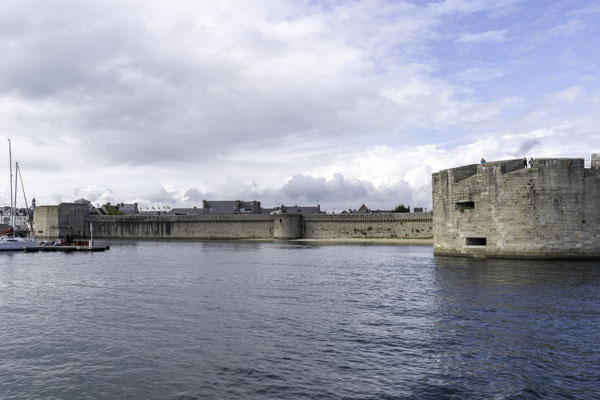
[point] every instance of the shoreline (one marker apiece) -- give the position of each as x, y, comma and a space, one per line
387, 241
357, 241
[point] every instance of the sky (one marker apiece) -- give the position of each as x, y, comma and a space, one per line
293, 102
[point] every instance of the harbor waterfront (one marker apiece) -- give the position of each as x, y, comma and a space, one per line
230, 320
542, 209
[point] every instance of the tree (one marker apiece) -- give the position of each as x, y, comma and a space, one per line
111, 210
401, 209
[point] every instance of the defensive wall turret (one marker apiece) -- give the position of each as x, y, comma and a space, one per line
288, 226
505, 209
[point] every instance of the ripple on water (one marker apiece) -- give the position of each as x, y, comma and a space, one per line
176, 320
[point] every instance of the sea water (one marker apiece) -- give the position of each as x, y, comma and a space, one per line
249, 320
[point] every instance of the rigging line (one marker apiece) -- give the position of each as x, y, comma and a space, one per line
16, 189
20, 176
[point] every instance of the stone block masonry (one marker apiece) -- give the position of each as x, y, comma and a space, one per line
388, 225
58, 221
182, 226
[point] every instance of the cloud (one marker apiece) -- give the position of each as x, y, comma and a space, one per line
568, 94
526, 147
287, 101
336, 193
586, 10
96, 195
478, 74
159, 86
193, 195
308, 189
568, 28
483, 37
161, 195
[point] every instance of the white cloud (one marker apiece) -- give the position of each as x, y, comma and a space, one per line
494, 8
483, 37
568, 94
478, 74
568, 28
161, 195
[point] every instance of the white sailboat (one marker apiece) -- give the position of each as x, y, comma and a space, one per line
9, 242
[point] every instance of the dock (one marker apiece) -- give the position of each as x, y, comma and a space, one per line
65, 249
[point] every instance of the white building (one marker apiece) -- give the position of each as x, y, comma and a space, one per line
21, 219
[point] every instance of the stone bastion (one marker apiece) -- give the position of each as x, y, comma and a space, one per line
504, 209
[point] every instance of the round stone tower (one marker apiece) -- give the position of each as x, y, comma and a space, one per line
507, 209
287, 226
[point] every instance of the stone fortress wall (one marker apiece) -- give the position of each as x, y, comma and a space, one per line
228, 226
504, 210
181, 226
385, 225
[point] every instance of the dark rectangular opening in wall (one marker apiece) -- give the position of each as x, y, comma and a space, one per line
476, 241
465, 205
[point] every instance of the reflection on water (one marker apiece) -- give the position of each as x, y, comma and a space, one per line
278, 320
526, 325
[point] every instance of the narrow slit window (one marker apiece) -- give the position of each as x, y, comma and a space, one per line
465, 205
476, 241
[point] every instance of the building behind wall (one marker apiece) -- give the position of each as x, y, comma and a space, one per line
283, 209
21, 217
504, 209
220, 207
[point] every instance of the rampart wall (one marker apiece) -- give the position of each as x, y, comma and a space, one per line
236, 226
278, 226
389, 225
182, 226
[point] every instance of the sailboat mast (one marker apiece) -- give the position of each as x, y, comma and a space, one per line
19, 176
12, 213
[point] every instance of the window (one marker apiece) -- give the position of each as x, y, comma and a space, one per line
476, 241
465, 205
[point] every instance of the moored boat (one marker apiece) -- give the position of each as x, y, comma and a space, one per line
8, 240
9, 243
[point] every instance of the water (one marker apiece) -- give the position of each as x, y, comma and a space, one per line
179, 320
